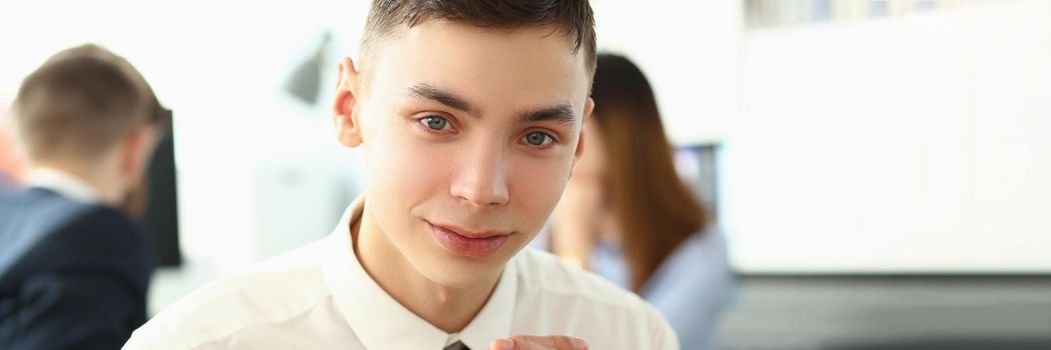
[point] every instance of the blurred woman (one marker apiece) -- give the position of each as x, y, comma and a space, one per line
627, 215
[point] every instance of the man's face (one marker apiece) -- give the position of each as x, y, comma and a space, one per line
469, 136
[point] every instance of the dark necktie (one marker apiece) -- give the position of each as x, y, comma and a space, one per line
457, 346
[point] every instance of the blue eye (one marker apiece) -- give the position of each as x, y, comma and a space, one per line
435, 122
536, 138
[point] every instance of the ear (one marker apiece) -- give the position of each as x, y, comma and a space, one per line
136, 151
344, 109
589, 106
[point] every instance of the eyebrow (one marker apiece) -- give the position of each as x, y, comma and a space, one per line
427, 92
561, 113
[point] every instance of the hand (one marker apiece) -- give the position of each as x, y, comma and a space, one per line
535, 342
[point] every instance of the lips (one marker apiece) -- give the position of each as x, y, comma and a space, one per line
466, 243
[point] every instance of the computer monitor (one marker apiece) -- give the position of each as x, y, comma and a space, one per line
162, 210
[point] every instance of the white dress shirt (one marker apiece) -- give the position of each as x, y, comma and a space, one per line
319, 297
63, 183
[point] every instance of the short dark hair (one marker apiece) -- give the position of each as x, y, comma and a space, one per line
573, 17
80, 102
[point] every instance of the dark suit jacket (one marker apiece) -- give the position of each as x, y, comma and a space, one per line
72, 275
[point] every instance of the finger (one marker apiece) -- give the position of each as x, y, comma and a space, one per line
558, 342
510, 344
502, 344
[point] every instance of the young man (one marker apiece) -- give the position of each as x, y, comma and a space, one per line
73, 268
470, 115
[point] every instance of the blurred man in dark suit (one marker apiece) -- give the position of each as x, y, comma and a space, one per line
74, 268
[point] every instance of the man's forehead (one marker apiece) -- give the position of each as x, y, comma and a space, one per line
459, 65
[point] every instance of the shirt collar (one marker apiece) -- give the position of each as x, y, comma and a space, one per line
63, 183
380, 322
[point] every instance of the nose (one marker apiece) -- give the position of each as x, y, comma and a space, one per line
481, 178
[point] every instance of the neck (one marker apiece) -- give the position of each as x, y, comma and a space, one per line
449, 309
103, 183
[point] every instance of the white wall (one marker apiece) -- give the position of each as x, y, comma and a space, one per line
911, 144
691, 53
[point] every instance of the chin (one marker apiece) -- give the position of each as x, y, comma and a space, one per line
459, 273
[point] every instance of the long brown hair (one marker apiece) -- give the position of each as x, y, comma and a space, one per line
655, 211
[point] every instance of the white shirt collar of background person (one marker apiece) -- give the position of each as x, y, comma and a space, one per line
61, 182
320, 297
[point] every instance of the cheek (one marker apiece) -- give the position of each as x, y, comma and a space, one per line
538, 189
400, 160
402, 173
